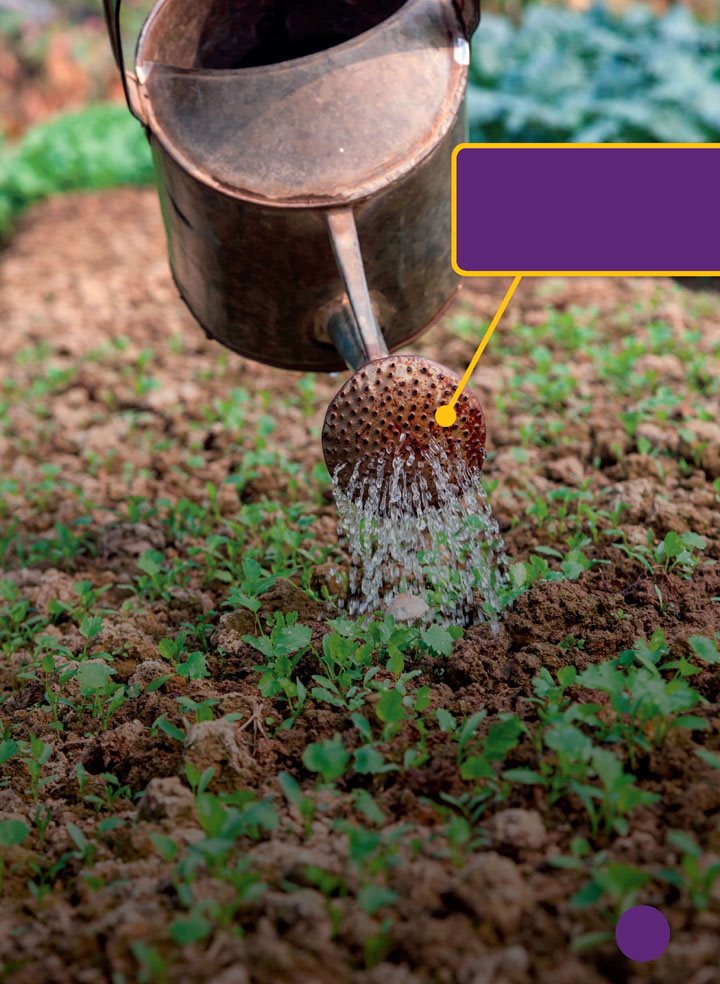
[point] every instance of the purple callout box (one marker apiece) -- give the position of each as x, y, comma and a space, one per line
586, 209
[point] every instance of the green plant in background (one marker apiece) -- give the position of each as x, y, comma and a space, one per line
12, 833
557, 76
563, 76
99, 147
695, 875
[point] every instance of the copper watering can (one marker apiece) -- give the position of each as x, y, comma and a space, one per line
302, 150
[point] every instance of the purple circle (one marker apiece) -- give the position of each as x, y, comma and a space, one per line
642, 933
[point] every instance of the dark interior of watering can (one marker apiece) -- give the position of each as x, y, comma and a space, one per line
232, 34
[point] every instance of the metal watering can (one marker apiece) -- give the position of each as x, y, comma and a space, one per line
303, 152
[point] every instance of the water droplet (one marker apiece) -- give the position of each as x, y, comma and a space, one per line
421, 526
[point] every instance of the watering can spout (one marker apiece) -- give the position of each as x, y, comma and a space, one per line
353, 328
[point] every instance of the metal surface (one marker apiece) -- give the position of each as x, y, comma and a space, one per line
256, 277
302, 150
111, 10
247, 159
329, 128
470, 14
388, 407
355, 346
366, 333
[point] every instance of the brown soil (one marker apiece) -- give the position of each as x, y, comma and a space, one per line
90, 272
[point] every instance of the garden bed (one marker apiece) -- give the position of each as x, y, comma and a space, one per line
206, 776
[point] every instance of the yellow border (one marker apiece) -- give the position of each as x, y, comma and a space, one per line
569, 273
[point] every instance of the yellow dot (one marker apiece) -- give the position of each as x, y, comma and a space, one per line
445, 416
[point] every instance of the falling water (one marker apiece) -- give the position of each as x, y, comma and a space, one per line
424, 535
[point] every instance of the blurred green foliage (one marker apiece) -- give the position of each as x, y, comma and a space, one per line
567, 77
101, 146
560, 76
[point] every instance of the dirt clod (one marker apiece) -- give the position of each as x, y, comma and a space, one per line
166, 799
492, 887
521, 829
215, 745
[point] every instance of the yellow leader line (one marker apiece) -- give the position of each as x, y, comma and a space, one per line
446, 415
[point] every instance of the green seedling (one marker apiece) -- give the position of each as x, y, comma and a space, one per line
329, 759
152, 966
12, 834
85, 851
646, 705
254, 584
36, 756
90, 629
194, 667
111, 792
479, 762
612, 889
19, 624
303, 803
678, 553
695, 876
283, 649
160, 575
102, 697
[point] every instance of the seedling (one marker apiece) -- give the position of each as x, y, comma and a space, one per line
678, 553
304, 804
282, 648
12, 834
329, 758
695, 876
255, 583
37, 754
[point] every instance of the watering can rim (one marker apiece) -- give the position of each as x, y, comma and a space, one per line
377, 174
289, 63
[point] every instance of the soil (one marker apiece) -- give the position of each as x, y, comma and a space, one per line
111, 412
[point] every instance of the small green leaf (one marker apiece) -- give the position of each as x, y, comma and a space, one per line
692, 722
438, 640
190, 929
13, 832
705, 649
502, 737
684, 843
446, 721
169, 729
93, 677
389, 707
708, 757
363, 726
150, 562
372, 898
526, 777
369, 761
194, 667
166, 846
330, 758
476, 767
8, 748
567, 675
90, 628
590, 941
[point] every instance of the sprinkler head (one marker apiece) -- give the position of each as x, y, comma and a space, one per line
388, 408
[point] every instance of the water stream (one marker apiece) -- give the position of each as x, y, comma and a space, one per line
423, 542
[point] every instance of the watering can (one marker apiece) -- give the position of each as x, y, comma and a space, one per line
302, 150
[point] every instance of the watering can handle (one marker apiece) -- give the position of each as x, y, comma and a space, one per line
111, 9
470, 14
